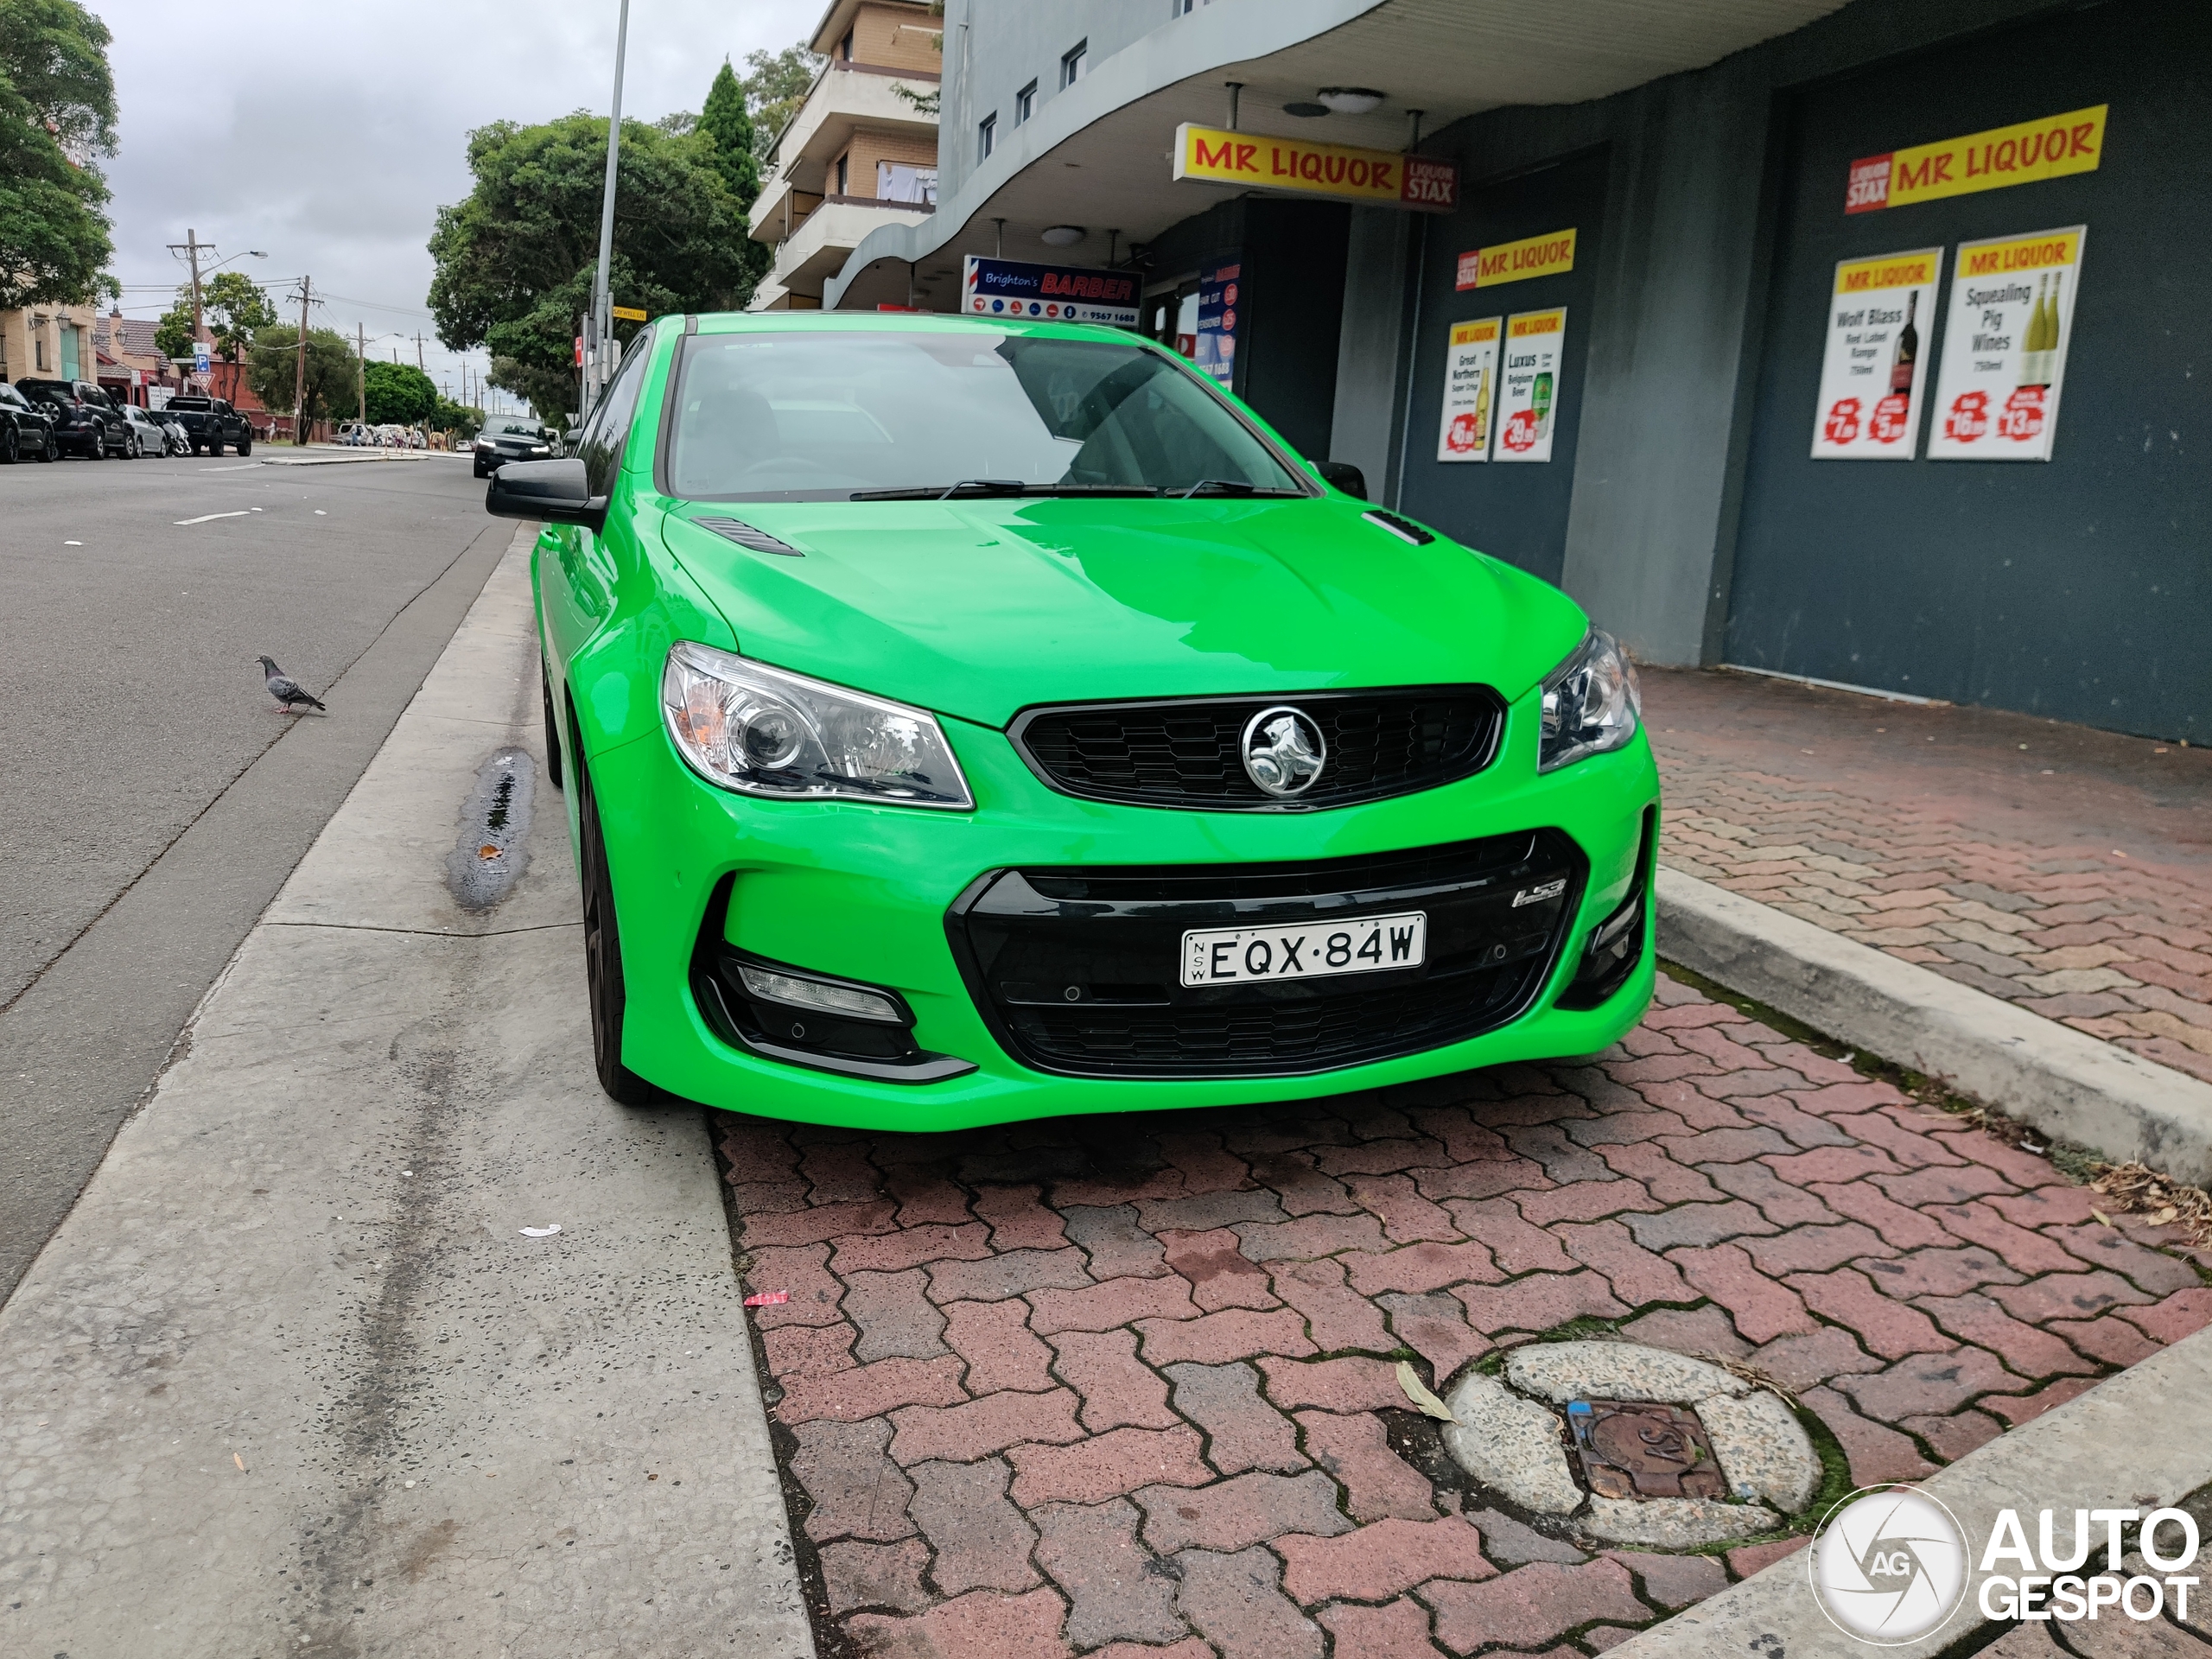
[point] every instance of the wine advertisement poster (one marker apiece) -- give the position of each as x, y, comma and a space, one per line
1528, 402
2005, 347
1469, 390
1874, 372
1217, 308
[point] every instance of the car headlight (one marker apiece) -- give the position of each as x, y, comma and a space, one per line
761, 731
1592, 705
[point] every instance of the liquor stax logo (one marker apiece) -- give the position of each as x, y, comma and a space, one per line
1889, 1565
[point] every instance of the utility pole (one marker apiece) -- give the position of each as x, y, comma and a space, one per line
418, 352
300, 372
192, 247
602, 330
361, 368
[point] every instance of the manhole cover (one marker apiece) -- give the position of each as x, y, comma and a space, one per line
1637, 1449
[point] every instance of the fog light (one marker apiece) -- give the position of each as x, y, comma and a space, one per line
822, 996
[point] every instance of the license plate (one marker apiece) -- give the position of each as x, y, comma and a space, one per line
1244, 956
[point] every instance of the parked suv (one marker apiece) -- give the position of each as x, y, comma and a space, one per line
26, 427
505, 438
86, 423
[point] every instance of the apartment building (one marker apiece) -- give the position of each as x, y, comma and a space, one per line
860, 151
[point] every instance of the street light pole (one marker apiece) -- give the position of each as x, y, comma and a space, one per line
299, 370
602, 318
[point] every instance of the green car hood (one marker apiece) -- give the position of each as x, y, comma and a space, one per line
981, 608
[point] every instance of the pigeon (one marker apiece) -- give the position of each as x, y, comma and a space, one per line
283, 688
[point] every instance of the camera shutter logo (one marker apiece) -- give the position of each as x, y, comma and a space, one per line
1889, 1565
1283, 751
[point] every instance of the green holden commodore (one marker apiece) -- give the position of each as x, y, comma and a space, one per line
967, 721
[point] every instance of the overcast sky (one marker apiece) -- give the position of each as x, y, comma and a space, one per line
327, 133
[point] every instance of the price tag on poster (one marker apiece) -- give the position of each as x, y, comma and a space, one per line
1529, 384
1875, 372
1469, 390
2005, 347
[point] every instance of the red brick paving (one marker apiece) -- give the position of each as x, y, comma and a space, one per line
2065, 869
1113, 1388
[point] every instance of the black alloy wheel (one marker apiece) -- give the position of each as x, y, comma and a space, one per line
11, 447
603, 960
552, 725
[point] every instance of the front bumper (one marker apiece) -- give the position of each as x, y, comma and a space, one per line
885, 896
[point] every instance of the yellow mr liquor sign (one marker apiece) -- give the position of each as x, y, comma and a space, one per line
1387, 177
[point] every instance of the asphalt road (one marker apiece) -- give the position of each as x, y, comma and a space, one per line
154, 799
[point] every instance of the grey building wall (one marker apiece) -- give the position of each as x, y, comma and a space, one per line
1674, 326
993, 49
1369, 402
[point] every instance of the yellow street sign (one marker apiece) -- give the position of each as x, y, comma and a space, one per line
626, 314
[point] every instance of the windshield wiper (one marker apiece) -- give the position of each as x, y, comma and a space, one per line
1230, 486
973, 488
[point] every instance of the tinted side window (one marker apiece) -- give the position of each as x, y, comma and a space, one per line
609, 429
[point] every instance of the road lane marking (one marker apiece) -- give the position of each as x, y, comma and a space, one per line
247, 467
205, 516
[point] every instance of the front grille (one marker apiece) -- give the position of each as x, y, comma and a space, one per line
1182, 751
1027, 939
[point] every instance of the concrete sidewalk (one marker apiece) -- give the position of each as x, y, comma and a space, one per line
2066, 870
292, 1378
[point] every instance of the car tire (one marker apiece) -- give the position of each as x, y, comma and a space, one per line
552, 725
11, 447
479, 469
136, 451
215, 448
50, 451
245, 445
603, 958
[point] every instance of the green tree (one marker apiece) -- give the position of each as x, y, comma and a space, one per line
725, 132
173, 335
272, 364
399, 394
773, 91
457, 418
235, 308
57, 113
514, 261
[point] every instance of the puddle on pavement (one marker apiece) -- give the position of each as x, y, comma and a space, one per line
492, 851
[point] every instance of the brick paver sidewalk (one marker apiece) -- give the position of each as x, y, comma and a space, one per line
2065, 869
1125, 1387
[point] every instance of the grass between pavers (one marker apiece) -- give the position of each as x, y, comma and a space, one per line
2132, 1187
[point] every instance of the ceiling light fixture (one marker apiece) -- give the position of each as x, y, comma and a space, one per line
1062, 236
1350, 100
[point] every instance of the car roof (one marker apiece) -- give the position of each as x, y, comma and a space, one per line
904, 323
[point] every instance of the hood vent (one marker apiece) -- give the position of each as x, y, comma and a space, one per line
1398, 527
736, 529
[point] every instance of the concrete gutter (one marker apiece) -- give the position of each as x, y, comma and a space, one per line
2060, 1081
2102, 1451
291, 1378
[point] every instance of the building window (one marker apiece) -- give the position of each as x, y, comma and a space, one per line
1071, 65
38, 350
845, 47
843, 180
1025, 104
986, 136
898, 181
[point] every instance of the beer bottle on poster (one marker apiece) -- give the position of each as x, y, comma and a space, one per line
1482, 412
1539, 401
1908, 349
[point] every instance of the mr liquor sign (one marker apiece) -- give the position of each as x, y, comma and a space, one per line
1380, 177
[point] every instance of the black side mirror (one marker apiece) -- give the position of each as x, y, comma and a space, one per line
552, 491
1345, 476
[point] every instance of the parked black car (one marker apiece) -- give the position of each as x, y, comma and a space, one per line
26, 427
209, 424
505, 438
86, 422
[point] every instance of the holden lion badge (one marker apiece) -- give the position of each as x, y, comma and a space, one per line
1283, 750
1889, 1565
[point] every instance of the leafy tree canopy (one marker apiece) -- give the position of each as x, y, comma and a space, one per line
551, 392
233, 308
172, 333
57, 113
775, 87
271, 363
726, 132
398, 394
457, 418
515, 260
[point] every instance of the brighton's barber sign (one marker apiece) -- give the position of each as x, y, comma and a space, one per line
1254, 161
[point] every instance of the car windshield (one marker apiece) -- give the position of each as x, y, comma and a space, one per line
517, 429
861, 415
